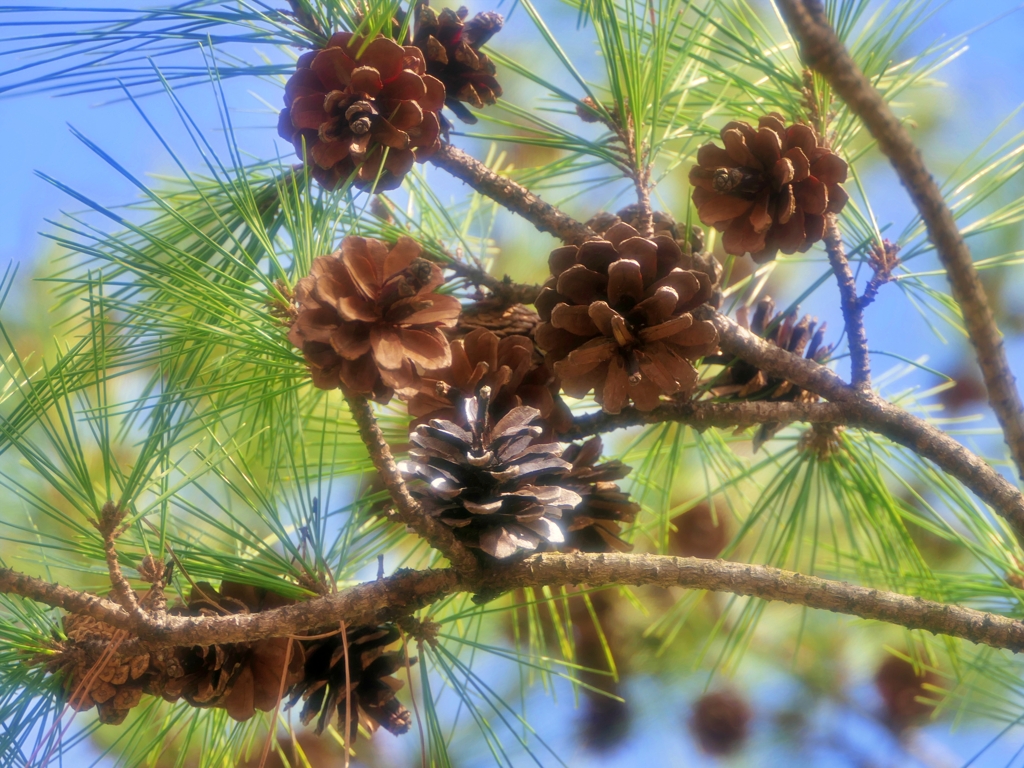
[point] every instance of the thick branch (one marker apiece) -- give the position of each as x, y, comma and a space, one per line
864, 409
853, 313
408, 591
407, 509
506, 192
47, 593
823, 51
704, 415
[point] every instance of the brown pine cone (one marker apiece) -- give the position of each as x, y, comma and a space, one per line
721, 722
507, 365
492, 484
616, 319
368, 315
769, 189
495, 316
699, 533
366, 116
121, 680
901, 687
746, 382
743, 381
595, 524
691, 245
325, 681
238, 677
451, 47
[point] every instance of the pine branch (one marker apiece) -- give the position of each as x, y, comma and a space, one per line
853, 312
409, 591
867, 410
407, 509
518, 199
822, 50
14, 583
704, 415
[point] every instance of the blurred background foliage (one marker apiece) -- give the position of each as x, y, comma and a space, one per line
145, 359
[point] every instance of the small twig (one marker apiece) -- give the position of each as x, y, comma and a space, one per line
518, 199
408, 510
853, 315
504, 289
822, 50
884, 260
109, 526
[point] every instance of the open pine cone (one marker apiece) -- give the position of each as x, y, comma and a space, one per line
497, 317
743, 381
362, 115
507, 366
596, 523
325, 683
451, 46
238, 677
616, 319
691, 244
769, 189
120, 681
367, 314
484, 481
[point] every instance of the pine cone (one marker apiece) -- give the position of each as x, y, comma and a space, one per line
451, 47
721, 722
616, 319
481, 480
742, 380
507, 366
238, 677
121, 680
325, 682
498, 318
769, 189
900, 687
348, 107
366, 315
692, 245
698, 533
595, 524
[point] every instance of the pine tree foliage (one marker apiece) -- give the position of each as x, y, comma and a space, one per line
173, 391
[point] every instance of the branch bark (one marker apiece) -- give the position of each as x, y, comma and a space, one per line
408, 591
407, 509
14, 583
853, 313
704, 415
518, 199
822, 50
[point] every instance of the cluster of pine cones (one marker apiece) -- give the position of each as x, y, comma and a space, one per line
483, 382
343, 678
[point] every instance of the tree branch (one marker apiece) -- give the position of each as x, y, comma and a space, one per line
704, 415
853, 313
518, 199
867, 410
407, 509
408, 591
14, 583
822, 50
